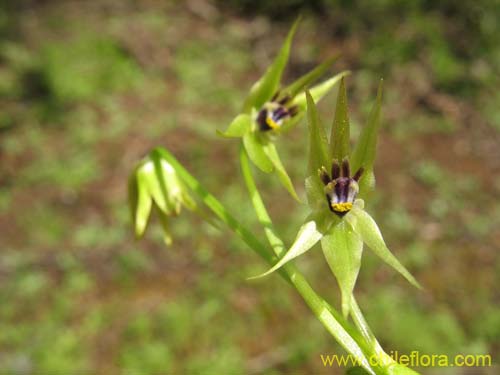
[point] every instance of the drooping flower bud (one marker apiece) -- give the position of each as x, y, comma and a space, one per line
155, 184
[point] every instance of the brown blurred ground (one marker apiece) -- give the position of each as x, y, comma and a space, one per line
80, 295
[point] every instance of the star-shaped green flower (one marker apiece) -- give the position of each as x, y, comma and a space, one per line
270, 110
337, 217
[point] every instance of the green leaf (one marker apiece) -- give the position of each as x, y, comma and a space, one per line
365, 150
342, 248
272, 153
140, 204
265, 87
318, 143
367, 228
294, 88
238, 127
320, 90
309, 234
255, 150
340, 138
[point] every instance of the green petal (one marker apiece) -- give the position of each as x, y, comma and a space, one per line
171, 189
318, 143
140, 205
309, 234
272, 153
315, 193
167, 236
317, 93
146, 176
339, 138
365, 150
342, 248
294, 88
320, 90
255, 149
367, 228
265, 87
367, 183
238, 127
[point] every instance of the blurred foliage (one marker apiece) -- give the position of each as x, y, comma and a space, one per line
87, 89
85, 68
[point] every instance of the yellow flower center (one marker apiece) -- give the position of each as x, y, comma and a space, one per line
272, 124
342, 207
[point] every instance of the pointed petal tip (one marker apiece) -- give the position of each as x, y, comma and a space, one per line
220, 133
267, 273
416, 284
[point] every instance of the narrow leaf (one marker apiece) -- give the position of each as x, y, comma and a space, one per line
307, 237
340, 137
365, 150
342, 248
254, 148
318, 143
266, 86
272, 153
304, 81
238, 127
367, 228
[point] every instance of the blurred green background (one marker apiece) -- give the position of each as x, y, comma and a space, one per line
87, 88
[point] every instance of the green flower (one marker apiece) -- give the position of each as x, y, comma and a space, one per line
271, 109
338, 218
154, 184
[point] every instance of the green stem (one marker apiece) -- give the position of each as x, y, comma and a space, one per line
366, 332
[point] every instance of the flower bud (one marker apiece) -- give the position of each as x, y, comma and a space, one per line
155, 183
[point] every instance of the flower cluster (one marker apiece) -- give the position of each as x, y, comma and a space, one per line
341, 224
